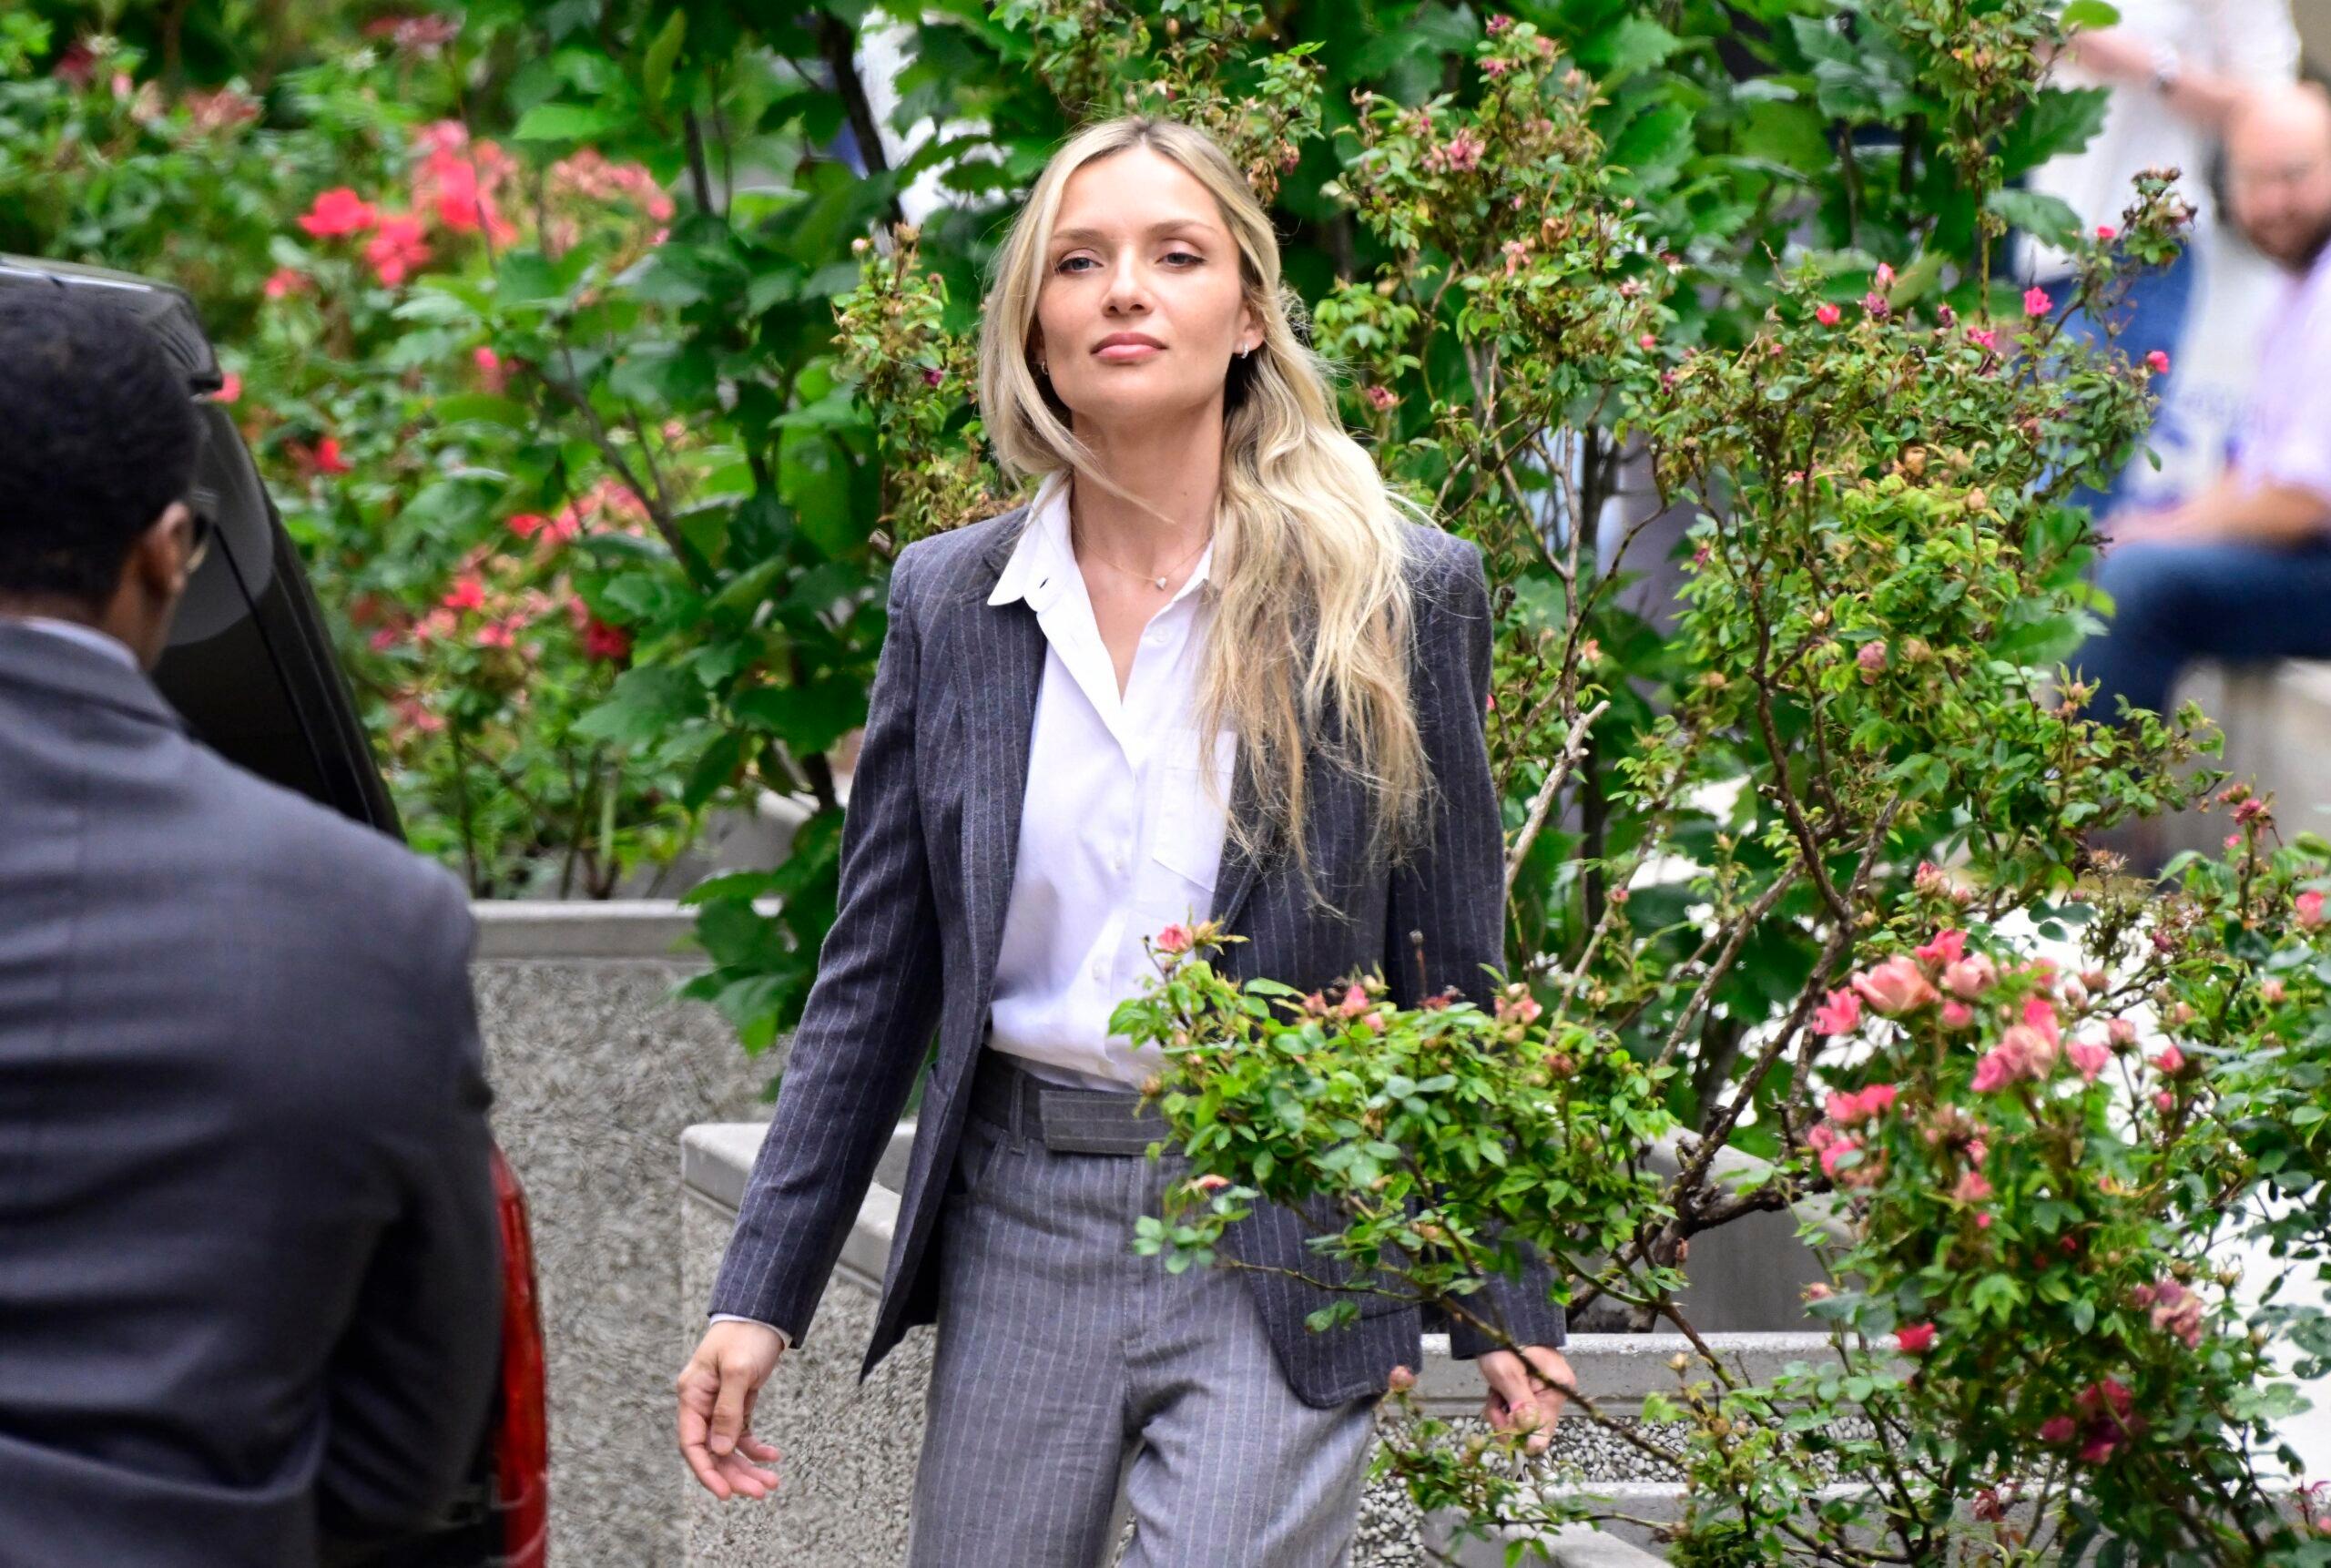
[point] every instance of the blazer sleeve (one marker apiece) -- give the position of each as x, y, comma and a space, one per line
1451, 893
864, 1028
410, 1382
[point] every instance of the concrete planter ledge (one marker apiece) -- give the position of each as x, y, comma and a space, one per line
851, 1447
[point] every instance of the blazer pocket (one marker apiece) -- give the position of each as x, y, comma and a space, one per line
977, 1152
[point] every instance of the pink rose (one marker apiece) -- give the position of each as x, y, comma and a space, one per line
2157, 362
1174, 939
2040, 1013
2170, 1062
1895, 986
1828, 315
1871, 657
2036, 303
1848, 1109
2057, 1430
1957, 1014
468, 593
2121, 1031
1972, 1189
1947, 947
2163, 1101
2089, 1056
336, 212
2107, 233
1916, 1339
1885, 276
1969, 977
397, 250
1833, 1148
2178, 1313
1838, 1014
2309, 907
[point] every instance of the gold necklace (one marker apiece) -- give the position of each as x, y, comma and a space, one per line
1158, 582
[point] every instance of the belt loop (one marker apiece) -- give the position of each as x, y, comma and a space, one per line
1023, 1086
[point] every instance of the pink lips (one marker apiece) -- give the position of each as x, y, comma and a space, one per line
1127, 347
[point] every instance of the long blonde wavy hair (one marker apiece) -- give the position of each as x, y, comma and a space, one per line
1312, 613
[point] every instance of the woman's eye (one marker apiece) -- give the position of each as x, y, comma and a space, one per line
1066, 262
1184, 256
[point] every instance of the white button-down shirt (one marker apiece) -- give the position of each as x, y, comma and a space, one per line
1120, 836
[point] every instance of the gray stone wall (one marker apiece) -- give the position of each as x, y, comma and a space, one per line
597, 1068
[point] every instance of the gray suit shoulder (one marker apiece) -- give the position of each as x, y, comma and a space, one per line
1440, 557
376, 896
928, 567
1445, 575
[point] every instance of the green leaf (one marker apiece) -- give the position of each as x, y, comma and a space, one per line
1637, 44
2047, 218
567, 122
648, 704
483, 408
717, 767
2058, 120
655, 68
808, 718
2084, 14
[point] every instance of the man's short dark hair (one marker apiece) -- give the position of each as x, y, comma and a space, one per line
99, 434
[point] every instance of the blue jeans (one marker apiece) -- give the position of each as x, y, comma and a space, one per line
2151, 316
2175, 602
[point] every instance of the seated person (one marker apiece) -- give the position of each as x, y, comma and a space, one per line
2242, 570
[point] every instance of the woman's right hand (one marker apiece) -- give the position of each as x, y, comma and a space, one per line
716, 1390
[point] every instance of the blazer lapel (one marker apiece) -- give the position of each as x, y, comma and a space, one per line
997, 673
1234, 876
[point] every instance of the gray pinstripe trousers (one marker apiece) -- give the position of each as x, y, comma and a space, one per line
1075, 1381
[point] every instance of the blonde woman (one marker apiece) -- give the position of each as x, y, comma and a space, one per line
1209, 669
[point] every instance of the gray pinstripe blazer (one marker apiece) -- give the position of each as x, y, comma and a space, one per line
929, 843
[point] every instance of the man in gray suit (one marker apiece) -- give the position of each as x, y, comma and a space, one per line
249, 1252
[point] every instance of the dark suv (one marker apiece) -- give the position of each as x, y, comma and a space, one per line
251, 666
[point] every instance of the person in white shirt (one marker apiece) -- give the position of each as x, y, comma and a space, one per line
2176, 71
1213, 670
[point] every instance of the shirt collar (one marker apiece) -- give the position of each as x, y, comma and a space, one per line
1038, 568
89, 637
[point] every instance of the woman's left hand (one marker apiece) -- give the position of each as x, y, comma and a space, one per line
1527, 1396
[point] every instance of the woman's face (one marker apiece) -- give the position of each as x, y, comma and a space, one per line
1141, 307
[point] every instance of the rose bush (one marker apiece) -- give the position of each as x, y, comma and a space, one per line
315, 223
1808, 872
